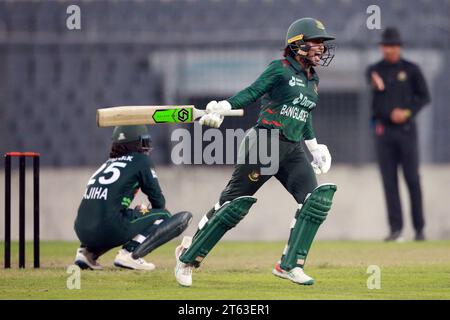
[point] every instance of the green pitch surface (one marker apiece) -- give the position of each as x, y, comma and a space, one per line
242, 270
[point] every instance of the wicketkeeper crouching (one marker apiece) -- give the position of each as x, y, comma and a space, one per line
104, 219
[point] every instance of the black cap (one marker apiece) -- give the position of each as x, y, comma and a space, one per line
391, 36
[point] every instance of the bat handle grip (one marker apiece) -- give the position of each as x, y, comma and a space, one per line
233, 113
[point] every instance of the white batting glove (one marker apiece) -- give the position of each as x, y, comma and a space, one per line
214, 109
218, 107
321, 156
213, 120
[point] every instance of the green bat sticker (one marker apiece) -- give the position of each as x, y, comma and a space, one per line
178, 115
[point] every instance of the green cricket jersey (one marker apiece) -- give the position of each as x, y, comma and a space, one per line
113, 186
288, 97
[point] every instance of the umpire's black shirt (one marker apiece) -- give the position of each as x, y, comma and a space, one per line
405, 88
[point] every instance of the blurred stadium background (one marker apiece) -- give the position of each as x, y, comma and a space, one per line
191, 51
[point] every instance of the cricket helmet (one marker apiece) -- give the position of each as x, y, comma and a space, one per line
306, 29
127, 134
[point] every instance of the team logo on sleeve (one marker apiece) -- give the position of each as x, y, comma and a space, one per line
154, 173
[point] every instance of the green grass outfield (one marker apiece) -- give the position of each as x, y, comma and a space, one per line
242, 270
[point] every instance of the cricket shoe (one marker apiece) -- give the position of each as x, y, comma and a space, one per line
86, 260
395, 236
419, 236
125, 260
183, 271
296, 275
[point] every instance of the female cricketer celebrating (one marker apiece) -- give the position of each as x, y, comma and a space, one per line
288, 88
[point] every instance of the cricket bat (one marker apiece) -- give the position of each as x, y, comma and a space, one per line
138, 115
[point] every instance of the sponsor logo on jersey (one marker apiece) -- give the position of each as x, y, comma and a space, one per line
304, 101
296, 82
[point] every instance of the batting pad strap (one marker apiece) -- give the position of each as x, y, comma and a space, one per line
311, 215
202, 222
139, 238
227, 217
164, 232
293, 222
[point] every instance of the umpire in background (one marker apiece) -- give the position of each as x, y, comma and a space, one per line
399, 93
